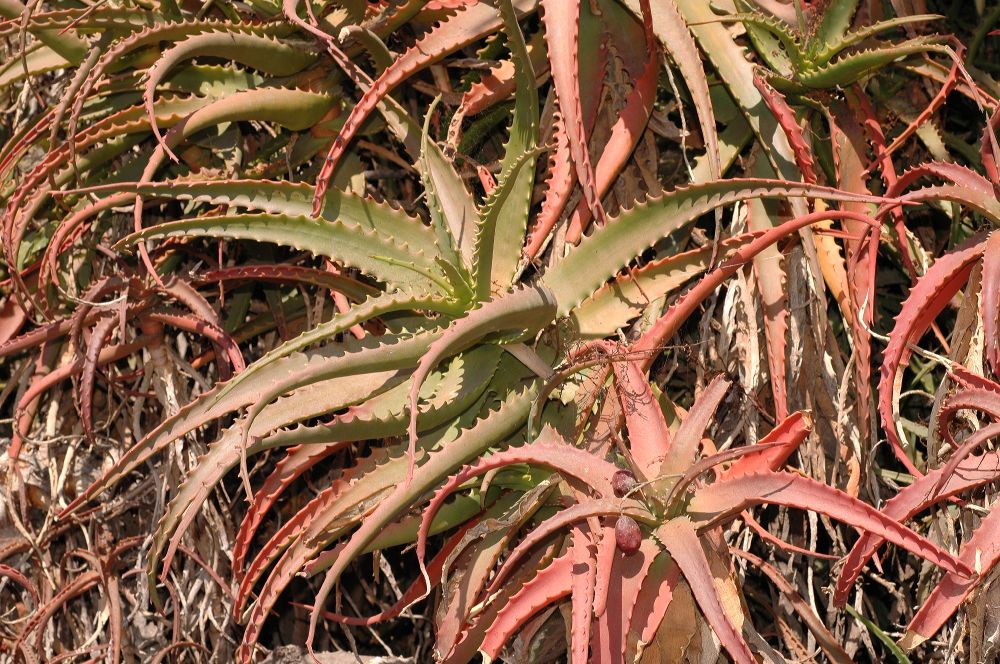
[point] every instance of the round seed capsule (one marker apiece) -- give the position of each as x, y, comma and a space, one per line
627, 535
622, 482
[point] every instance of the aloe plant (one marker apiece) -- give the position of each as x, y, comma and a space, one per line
177, 216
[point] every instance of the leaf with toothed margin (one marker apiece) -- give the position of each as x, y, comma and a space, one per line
627, 130
462, 28
562, 34
375, 306
927, 298
67, 45
382, 413
347, 242
823, 50
675, 37
498, 83
445, 398
630, 574
964, 186
720, 501
313, 401
454, 216
471, 443
972, 472
294, 109
687, 439
379, 414
833, 24
766, 44
854, 66
616, 303
549, 451
733, 64
558, 187
500, 234
473, 560
521, 313
788, 434
609, 249
682, 542
258, 51
981, 552
651, 604
105, 18
771, 280
581, 593
338, 508
551, 584
827, 641
390, 352
289, 198
649, 439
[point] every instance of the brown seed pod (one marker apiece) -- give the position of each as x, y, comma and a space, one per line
627, 535
622, 482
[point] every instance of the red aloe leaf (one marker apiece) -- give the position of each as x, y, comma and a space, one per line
23, 581
668, 324
648, 435
12, 318
849, 149
720, 501
935, 104
982, 553
228, 351
959, 175
496, 85
928, 297
353, 288
681, 540
684, 450
326, 502
985, 399
651, 603
98, 339
887, 170
550, 584
464, 27
787, 436
789, 124
606, 549
675, 35
38, 620
297, 460
767, 536
968, 446
29, 400
629, 573
972, 380
559, 185
971, 473
627, 130
989, 300
547, 451
581, 595
385, 509
990, 152
476, 557
562, 34
559, 521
